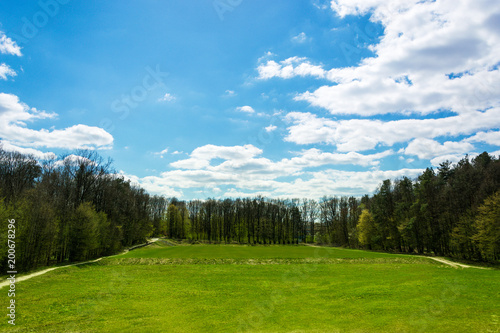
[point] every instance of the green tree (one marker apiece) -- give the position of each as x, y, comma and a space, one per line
84, 234
487, 224
367, 231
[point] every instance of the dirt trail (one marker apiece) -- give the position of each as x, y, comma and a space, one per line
441, 260
32, 275
452, 263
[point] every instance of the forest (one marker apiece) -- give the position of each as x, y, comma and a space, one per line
77, 208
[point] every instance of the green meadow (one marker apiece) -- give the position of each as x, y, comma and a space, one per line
225, 288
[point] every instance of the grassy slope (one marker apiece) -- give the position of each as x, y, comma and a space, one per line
251, 252
348, 296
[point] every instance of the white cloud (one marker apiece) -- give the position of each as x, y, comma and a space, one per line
306, 185
300, 38
372, 95
163, 152
496, 153
335, 182
154, 185
246, 108
167, 98
491, 138
430, 149
74, 160
14, 117
315, 158
366, 134
453, 158
8, 46
6, 71
243, 169
434, 55
270, 128
201, 157
7, 146
289, 68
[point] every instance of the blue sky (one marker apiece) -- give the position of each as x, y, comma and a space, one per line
229, 98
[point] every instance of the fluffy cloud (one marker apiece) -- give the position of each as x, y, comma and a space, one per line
14, 117
306, 185
156, 185
8, 46
289, 68
270, 128
201, 157
7, 146
243, 169
430, 149
246, 109
492, 138
434, 55
6, 71
365, 134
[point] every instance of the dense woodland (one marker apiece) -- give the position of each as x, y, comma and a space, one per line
72, 209
77, 208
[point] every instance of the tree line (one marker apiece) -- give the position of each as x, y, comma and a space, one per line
332, 220
71, 209
452, 211
78, 208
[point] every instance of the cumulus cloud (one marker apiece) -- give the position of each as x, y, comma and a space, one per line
314, 184
246, 109
154, 185
74, 160
491, 138
434, 55
8, 46
242, 168
39, 155
201, 157
430, 149
14, 119
289, 68
6, 71
366, 134
270, 128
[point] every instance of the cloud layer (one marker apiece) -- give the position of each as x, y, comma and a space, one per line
15, 117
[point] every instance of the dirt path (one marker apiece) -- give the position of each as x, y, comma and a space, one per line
441, 260
32, 275
452, 263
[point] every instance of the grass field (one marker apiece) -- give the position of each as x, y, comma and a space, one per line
217, 288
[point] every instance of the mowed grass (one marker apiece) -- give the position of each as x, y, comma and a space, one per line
159, 250
366, 293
